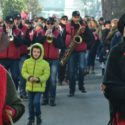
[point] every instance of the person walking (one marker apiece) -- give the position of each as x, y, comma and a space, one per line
36, 72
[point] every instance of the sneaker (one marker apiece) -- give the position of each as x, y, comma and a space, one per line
38, 120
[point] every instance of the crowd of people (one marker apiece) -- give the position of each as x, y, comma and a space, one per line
36, 48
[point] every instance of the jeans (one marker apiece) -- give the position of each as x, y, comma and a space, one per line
34, 104
76, 67
22, 80
12, 65
50, 92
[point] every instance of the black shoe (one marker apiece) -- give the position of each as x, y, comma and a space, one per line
39, 120
60, 83
30, 122
82, 90
45, 102
71, 95
52, 103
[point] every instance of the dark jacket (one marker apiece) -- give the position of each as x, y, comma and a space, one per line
9, 99
13, 100
116, 39
26, 41
114, 79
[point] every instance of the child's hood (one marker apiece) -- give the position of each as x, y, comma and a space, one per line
40, 46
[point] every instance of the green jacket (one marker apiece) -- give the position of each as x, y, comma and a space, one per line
38, 68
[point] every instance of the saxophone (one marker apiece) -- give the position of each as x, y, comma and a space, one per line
76, 40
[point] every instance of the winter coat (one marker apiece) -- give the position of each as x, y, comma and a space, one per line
38, 68
116, 39
114, 80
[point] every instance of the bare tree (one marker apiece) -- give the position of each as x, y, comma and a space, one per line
33, 6
113, 8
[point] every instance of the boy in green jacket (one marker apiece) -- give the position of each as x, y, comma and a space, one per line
36, 71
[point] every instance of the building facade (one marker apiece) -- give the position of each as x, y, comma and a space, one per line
66, 7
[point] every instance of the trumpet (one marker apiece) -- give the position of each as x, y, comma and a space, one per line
10, 34
49, 36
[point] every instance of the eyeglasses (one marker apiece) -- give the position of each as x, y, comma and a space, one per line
64, 19
76, 17
9, 23
50, 23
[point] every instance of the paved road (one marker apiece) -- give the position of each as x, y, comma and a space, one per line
83, 109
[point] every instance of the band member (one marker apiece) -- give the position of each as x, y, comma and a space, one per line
76, 62
11, 108
37, 33
62, 69
52, 42
9, 57
25, 29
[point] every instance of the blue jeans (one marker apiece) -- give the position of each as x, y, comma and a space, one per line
76, 67
34, 104
50, 92
22, 80
13, 66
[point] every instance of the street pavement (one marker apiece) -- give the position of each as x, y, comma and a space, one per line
89, 108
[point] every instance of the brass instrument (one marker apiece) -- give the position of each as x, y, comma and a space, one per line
49, 36
77, 39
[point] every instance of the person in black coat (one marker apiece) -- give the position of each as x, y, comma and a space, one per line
113, 84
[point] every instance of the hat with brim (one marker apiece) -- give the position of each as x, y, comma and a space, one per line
17, 16
75, 13
50, 20
9, 19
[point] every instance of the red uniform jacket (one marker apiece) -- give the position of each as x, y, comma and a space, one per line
11, 52
70, 32
50, 51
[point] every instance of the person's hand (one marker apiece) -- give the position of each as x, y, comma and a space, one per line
82, 29
102, 87
35, 79
8, 114
31, 79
